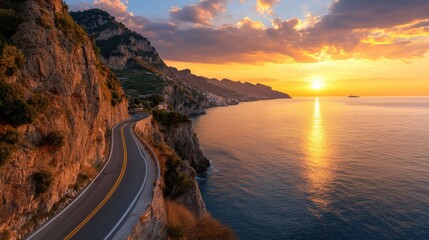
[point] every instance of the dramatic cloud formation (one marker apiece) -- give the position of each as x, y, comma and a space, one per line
265, 6
115, 5
201, 13
247, 22
368, 29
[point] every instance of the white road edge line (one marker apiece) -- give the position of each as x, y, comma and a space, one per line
139, 192
83, 192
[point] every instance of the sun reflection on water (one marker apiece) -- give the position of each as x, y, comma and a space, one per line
318, 166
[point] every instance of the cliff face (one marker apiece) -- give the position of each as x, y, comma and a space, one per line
138, 64
216, 95
68, 102
117, 43
183, 140
176, 168
152, 224
250, 91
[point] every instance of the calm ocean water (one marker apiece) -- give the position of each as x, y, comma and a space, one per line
319, 168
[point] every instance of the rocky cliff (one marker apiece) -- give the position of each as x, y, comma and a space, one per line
119, 44
216, 95
57, 106
132, 57
249, 90
177, 166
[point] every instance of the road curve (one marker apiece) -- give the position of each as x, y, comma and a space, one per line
100, 210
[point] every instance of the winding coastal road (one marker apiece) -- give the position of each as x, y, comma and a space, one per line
101, 209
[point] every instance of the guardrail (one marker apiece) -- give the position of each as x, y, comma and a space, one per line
149, 149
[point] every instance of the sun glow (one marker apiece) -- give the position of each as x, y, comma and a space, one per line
317, 83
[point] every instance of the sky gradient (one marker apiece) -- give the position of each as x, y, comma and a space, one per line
343, 47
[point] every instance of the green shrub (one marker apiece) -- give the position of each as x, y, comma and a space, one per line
6, 151
114, 87
44, 21
175, 231
41, 181
17, 111
9, 140
38, 103
10, 136
69, 27
156, 99
9, 22
5, 235
176, 182
169, 119
80, 181
11, 59
54, 138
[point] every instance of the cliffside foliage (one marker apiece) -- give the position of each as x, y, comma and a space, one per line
9, 19
115, 89
11, 59
44, 21
169, 119
41, 181
15, 109
68, 26
54, 139
9, 140
182, 224
176, 182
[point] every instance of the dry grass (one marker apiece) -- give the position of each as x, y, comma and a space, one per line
209, 228
179, 220
182, 224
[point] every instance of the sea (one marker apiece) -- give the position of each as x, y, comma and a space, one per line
319, 168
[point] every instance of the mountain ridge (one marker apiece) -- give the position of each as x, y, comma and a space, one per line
123, 49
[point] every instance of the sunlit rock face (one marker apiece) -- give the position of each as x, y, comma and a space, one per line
122, 49
80, 102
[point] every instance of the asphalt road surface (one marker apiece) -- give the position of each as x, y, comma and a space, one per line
100, 210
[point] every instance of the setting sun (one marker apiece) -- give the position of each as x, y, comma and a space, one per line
317, 84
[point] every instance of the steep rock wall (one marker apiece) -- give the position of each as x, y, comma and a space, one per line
186, 144
191, 197
60, 65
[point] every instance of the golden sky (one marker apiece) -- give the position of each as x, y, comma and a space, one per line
303, 48
338, 78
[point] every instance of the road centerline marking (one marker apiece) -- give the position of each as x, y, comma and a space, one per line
107, 197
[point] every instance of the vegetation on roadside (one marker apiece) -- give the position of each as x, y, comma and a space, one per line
53, 139
169, 119
9, 140
41, 181
81, 180
176, 183
15, 109
183, 224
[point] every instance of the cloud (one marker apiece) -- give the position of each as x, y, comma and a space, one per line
247, 22
265, 6
111, 5
392, 29
201, 13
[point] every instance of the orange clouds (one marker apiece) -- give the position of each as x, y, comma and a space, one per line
265, 6
201, 13
364, 29
116, 5
247, 22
